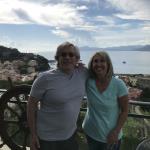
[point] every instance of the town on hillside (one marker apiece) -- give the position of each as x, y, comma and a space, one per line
22, 67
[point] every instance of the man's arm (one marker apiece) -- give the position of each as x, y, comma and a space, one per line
32, 107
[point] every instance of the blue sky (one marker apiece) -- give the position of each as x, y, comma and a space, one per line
41, 25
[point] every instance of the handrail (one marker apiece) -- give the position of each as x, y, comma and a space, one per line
139, 103
2, 90
138, 116
132, 102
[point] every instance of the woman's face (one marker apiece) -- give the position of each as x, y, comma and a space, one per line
99, 66
67, 60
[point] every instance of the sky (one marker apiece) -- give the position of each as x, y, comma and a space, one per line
41, 25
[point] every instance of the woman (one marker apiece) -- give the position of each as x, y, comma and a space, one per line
107, 105
60, 91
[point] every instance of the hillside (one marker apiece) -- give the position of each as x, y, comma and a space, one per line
11, 54
20, 66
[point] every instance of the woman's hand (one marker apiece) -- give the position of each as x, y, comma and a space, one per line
35, 145
80, 65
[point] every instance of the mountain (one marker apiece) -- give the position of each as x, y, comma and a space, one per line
144, 48
119, 48
11, 54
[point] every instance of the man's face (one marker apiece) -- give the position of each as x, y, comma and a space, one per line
67, 60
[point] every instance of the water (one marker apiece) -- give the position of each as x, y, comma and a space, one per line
136, 62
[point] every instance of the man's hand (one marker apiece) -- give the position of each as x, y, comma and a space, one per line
35, 145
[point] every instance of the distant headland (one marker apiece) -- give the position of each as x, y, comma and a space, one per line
119, 48
20, 66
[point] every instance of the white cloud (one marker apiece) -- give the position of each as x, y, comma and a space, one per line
132, 9
106, 19
7, 15
147, 28
82, 7
61, 33
109, 23
120, 41
87, 27
6, 41
19, 12
126, 37
96, 26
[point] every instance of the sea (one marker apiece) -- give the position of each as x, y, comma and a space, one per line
124, 62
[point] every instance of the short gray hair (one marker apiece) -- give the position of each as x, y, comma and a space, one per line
64, 46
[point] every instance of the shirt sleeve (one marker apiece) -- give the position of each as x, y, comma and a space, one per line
39, 87
122, 88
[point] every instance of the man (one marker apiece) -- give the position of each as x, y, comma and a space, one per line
59, 92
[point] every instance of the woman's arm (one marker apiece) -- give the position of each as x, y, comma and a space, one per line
123, 104
32, 107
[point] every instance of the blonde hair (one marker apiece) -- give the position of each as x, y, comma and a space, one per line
105, 55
